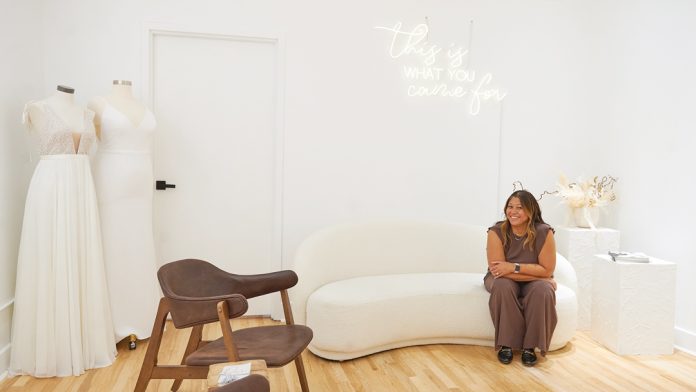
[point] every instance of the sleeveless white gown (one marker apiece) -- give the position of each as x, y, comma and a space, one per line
61, 324
124, 182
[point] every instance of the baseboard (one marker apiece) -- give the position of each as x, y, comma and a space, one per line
685, 340
3, 375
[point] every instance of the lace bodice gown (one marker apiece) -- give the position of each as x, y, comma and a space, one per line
62, 320
124, 182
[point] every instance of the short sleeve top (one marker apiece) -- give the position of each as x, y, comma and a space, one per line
516, 252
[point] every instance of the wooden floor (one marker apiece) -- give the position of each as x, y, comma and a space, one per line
582, 365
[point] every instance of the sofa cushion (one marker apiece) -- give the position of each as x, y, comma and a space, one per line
360, 316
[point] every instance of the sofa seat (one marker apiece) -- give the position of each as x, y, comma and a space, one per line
361, 316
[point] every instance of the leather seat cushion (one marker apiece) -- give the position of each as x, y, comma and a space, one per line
277, 345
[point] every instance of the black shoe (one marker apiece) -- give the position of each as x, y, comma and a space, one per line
505, 355
529, 358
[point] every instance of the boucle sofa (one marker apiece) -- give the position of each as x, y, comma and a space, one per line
375, 286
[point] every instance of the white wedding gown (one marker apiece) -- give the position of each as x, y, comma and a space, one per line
61, 324
124, 182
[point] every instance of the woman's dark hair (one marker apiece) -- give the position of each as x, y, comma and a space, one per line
531, 208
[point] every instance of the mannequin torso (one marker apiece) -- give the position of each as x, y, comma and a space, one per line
63, 106
120, 98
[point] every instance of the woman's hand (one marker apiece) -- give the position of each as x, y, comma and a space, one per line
501, 268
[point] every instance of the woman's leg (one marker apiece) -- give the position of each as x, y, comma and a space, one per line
506, 311
539, 304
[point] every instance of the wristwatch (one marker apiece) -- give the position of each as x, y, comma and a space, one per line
517, 268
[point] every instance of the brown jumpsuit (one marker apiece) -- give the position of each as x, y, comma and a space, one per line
523, 313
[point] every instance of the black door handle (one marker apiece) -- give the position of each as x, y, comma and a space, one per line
162, 185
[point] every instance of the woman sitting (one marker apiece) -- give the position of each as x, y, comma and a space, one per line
521, 259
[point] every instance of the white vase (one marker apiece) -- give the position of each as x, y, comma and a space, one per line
586, 216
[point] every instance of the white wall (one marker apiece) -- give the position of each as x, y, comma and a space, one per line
20, 73
651, 131
356, 147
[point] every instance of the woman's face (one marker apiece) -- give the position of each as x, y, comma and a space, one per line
515, 213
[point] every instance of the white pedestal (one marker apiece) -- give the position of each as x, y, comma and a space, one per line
633, 306
580, 246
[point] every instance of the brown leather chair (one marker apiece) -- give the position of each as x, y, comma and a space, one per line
250, 383
196, 293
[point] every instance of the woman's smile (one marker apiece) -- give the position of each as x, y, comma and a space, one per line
515, 213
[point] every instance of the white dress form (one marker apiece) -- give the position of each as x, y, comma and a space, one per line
124, 182
61, 324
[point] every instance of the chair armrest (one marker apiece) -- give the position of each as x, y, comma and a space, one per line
256, 285
190, 311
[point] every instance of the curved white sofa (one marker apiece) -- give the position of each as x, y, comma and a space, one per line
370, 287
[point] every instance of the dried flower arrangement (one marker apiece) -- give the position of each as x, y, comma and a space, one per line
589, 193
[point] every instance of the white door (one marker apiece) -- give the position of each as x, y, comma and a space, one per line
215, 102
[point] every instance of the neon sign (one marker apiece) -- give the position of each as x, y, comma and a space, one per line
433, 76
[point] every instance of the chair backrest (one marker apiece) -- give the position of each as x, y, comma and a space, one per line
193, 278
198, 278
194, 287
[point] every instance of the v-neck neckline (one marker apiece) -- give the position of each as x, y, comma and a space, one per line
72, 131
65, 123
130, 122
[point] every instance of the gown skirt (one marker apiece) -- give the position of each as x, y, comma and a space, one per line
125, 184
62, 321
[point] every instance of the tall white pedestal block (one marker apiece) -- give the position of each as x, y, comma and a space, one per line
580, 246
633, 306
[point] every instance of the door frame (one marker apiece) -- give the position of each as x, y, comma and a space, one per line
153, 30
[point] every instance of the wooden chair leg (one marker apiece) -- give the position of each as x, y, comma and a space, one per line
150, 360
194, 340
301, 373
289, 320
